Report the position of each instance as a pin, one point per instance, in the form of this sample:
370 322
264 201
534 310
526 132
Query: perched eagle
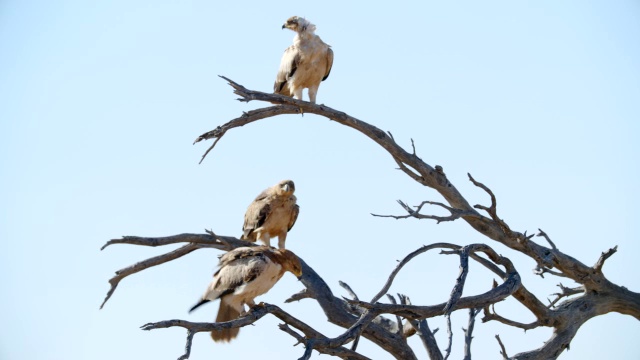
271 214
305 63
244 274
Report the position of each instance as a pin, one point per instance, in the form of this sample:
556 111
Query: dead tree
388 324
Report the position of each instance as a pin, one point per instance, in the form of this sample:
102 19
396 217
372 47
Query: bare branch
492 209
398 319
489 315
565 292
456 292
196 241
219 242
455 213
187 347
349 290
541 270
468 333
288 330
157 260
411 173
404 261
302 294
605 255
246 118
254 314
503 351
544 234
447 351
599 295
511 284
424 333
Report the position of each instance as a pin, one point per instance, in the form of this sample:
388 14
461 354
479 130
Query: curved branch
488 316
334 308
511 284
404 261
361 318
137 267
425 174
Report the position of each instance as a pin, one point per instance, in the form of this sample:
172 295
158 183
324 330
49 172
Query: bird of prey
305 63
245 273
271 214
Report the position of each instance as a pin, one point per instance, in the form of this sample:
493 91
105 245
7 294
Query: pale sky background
100 102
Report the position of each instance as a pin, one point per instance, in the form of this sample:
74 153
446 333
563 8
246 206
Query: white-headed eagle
245 273
273 213
304 64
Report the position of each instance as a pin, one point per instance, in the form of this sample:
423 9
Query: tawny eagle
272 213
245 273
304 64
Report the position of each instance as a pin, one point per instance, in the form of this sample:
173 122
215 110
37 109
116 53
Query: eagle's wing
329 59
294 216
288 67
256 215
242 266
239 253
236 268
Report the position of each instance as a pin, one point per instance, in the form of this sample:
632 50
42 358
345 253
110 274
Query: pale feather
273 213
304 64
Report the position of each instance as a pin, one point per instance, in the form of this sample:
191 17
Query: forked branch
597 294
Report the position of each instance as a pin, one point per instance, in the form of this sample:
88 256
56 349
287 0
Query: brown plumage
245 273
304 64
273 213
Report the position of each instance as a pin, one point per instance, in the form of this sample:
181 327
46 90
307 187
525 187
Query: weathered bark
595 296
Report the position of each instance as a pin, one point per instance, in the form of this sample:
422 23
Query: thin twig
349 290
503 351
455 213
302 294
492 315
398 318
404 261
544 234
447 351
142 265
565 292
468 333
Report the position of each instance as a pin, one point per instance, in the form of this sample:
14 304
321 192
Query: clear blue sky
100 102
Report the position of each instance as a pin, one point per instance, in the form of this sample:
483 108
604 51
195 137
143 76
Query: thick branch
256 313
334 308
600 296
425 174
426 335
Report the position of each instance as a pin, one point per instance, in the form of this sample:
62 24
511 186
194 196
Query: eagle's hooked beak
284 26
286 188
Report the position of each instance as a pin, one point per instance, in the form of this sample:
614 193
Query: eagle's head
290 262
286 187
299 24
